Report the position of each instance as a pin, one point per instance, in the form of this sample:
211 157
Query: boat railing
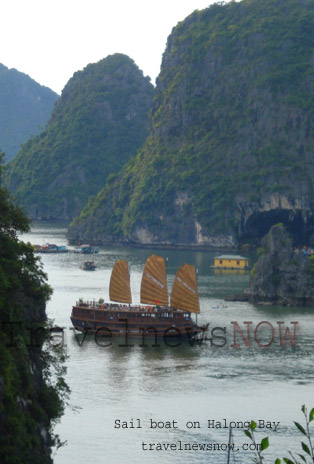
164 311
93 304
96 305
87 304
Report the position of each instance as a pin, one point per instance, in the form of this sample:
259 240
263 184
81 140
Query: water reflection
230 272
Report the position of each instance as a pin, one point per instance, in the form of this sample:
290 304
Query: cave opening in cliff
259 224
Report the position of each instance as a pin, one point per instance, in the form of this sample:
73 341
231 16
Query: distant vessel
86 250
88 266
154 320
50 248
220 306
89 250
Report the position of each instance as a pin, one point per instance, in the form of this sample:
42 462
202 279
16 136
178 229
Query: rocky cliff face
230 150
282 276
97 125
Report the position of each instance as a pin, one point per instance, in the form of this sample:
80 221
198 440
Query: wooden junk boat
154 317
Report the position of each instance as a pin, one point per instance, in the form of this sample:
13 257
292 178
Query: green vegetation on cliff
25 107
97 125
231 133
29 402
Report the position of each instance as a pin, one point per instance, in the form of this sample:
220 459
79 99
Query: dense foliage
99 122
25 107
231 127
29 401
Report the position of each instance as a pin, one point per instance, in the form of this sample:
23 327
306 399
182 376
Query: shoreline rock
237 297
281 276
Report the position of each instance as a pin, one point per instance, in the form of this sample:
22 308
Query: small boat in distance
88 266
86 250
50 248
220 306
154 317
89 250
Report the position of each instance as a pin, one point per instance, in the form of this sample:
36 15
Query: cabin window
238 263
220 262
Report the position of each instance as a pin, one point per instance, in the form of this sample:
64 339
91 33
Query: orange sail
119 288
154 282
184 293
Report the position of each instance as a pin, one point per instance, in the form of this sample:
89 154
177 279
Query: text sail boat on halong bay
154 318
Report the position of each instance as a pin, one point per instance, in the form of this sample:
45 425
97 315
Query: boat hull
134 322
88 266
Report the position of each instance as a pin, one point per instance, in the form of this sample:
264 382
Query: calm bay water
183 384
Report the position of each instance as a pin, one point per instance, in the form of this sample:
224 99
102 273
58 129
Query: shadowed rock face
282 276
296 214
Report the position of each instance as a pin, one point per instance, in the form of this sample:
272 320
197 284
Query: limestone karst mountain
230 148
97 125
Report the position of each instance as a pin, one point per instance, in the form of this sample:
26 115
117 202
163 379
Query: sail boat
154 317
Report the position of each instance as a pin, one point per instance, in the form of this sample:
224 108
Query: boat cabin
88 249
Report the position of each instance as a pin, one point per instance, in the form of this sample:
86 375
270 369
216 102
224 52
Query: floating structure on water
86 250
50 248
231 262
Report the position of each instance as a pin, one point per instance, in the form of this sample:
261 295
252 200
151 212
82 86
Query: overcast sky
51 39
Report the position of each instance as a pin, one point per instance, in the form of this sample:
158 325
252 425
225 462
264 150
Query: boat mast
129 270
196 270
166 262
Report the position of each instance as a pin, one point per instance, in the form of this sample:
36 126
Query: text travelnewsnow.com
211 446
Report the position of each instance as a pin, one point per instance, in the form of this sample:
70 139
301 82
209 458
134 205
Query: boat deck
134 320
